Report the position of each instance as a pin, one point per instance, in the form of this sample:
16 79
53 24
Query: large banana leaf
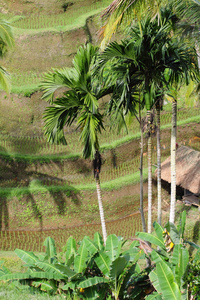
117 267
167 285
180 260
156 257
151 239
133 254
55 269
30 275
81 259
65 270
93 292
92 281
50 252
91 246
71 250
45 286
28 257
154 296
159 230
154 279
182 222
134 244
103 262
112 244
98 240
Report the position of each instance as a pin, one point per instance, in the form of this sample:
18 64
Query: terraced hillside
50 190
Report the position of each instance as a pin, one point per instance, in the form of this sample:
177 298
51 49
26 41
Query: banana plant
171 258
44 271
91 270
107 268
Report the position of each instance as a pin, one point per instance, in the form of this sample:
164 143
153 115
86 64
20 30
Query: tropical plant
90 271
171 258
152 58
6 42
120 13
79 105
193 276
189 20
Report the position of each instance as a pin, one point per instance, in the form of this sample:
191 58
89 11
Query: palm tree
189 21
122 13
121 10
156 59
6 42
79 105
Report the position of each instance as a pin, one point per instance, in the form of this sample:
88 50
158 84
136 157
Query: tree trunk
159 168
149 173
173 162
198 54
141 181
101 212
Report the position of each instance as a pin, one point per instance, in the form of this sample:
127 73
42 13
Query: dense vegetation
97 93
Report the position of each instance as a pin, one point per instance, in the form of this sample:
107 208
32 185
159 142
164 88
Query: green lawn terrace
55 192
63 165
58 26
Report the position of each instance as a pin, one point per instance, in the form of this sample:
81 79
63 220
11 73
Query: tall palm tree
156 59
79 105
127 11
6 42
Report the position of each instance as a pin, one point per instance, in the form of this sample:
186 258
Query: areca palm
6 42
121 12
155 59
78 104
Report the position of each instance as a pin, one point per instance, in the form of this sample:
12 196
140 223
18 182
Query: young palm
79 105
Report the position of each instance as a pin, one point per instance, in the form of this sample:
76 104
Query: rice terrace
90 111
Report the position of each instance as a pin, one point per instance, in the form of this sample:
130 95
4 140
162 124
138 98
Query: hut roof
187 169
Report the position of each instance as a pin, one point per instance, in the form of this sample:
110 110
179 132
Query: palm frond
54 80
4 80
120 11
90 125
6 36
64 112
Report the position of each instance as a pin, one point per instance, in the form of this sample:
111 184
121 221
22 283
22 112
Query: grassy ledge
36 187
104 147
77 23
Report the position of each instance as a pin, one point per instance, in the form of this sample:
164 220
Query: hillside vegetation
45 187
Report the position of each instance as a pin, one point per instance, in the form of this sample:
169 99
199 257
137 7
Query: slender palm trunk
159 168
141 180
101 212
198 54
173 162
149 173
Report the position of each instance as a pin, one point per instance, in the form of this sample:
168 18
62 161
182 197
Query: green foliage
91 270
79 104
171 258
193 276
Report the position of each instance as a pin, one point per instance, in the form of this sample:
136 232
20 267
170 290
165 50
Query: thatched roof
187 169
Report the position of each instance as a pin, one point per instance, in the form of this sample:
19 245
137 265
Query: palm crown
79 102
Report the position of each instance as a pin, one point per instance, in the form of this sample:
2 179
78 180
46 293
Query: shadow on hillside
14 174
